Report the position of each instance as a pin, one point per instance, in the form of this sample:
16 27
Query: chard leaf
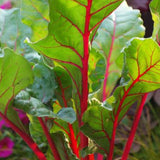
142 67
15 75
35 13
117 29
35 129
64 88
12 31
44 84
36 108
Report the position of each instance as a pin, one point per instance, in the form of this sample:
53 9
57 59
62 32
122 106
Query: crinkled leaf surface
122 25
12 31
36 108
141 74
35 13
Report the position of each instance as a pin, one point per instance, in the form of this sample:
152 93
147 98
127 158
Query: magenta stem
134 128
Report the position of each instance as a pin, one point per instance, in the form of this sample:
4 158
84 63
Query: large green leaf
15 75
12 31
141 74
67 43
117 29
35 13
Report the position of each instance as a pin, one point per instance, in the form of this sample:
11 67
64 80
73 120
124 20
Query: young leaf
15 75
36 108
142 67
44 84
12 31
123 24
35 14
64 88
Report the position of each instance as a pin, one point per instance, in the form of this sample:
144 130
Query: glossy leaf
140 75
35 13
36 108
12 31
117 29
44 84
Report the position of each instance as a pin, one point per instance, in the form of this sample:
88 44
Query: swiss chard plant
76 67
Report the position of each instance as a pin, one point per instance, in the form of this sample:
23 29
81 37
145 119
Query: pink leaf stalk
134 128
50 141
25 137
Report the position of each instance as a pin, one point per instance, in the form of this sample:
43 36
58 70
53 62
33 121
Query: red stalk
91 157
73 140
26 138
105 94
50 141
99 157
84 98
134 128
111 150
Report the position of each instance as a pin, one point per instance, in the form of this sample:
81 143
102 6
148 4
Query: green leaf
142 66
62 146
64 88
44 84
155 8
35 13
15 75
12 31
117 29
96 125
36 108
35 129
